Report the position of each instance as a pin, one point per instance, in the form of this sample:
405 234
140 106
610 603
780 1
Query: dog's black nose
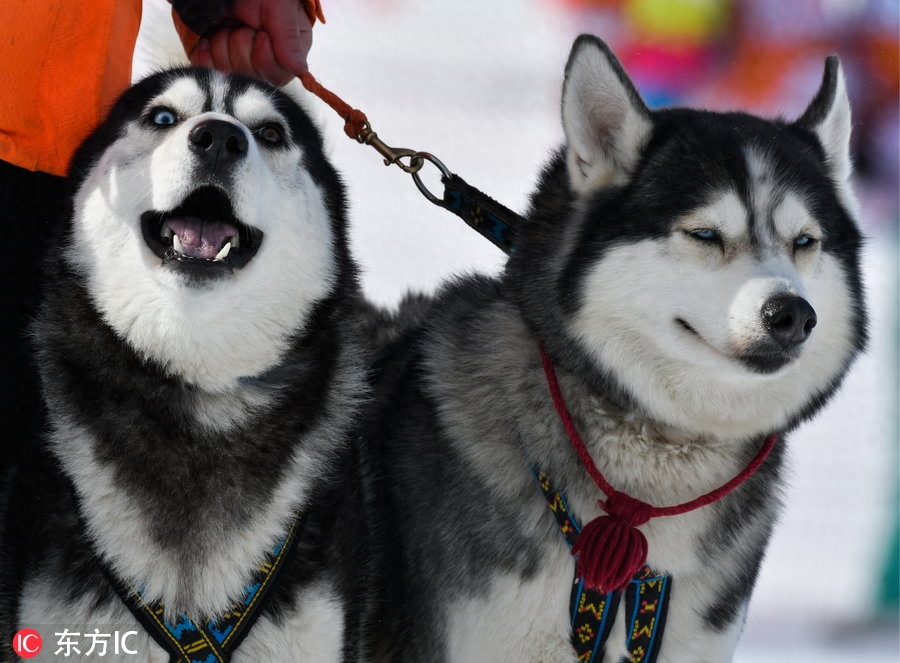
789 319
220 143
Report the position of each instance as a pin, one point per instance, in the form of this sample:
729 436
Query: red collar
610 549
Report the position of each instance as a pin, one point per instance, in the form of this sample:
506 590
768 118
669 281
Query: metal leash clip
392 155
494 221
445 175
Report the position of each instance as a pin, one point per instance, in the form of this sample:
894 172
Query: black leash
494 221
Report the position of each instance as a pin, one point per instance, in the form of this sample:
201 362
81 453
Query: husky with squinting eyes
684 291
201 371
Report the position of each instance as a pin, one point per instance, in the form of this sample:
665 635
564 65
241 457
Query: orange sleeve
64 63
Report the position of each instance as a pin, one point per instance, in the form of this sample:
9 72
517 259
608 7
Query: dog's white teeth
235 242
176 244
167 232
221 255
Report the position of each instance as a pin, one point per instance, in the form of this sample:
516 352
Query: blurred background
478 85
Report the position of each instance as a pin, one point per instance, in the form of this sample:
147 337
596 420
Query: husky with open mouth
202 374
684 291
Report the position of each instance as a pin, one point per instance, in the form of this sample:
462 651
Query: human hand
269 39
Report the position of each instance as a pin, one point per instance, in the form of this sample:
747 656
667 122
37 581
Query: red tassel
610 549
610 552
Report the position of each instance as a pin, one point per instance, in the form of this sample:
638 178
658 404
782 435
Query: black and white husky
694 279
201 374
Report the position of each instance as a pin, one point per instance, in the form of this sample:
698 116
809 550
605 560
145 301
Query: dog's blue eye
164 117
804 242
705 235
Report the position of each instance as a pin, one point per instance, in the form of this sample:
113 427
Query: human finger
219 52
240 47
200 56
291 40
287 24
265 63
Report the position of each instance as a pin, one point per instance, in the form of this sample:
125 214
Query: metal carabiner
445 174
392 155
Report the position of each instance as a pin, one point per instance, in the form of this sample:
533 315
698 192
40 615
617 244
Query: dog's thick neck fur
210 480
634 452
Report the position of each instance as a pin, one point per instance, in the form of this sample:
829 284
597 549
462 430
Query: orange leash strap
355 123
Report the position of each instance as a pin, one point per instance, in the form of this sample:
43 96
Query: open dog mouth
760 358
202 234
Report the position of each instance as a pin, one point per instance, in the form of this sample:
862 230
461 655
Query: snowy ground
480 89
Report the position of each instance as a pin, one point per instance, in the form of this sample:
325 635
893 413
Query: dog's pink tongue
199 238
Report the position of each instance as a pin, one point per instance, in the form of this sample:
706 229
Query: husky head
207 224
700 267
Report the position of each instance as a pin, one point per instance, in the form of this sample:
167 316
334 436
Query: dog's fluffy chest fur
191 508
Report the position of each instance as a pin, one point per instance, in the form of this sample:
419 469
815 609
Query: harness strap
593 615
593 612
215 640
646 604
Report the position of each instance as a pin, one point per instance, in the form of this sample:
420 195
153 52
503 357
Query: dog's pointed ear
828 117
605 121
